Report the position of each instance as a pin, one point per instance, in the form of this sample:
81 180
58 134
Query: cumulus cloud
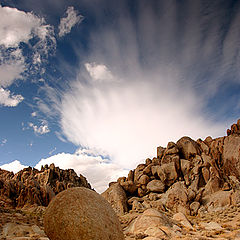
17 26
42 129
66 23
97 169
14 166
16 29
8 99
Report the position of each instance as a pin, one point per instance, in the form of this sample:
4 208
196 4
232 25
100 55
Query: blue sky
98 85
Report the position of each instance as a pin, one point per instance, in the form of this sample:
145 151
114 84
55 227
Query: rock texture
33 187
188 179
81 214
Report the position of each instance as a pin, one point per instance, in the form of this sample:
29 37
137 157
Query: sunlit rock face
33 187
81 214
184 176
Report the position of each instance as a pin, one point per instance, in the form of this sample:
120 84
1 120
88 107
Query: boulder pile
191 177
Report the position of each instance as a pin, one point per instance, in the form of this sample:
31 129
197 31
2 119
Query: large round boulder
81 214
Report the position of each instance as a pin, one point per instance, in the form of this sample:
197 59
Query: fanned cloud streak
166 65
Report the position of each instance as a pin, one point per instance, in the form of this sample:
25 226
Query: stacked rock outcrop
188 176
31 186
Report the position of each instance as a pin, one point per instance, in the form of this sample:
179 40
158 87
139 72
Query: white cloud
10 72
52 151
14 166
69 21
3 142
11 66
163 75
99 72
18 27
98 171
60 136
34 114
8 99
129 119
42 129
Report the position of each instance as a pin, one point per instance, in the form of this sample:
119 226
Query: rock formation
81 214
190 190
189 178
31 186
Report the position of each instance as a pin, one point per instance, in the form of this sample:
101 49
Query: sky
98 85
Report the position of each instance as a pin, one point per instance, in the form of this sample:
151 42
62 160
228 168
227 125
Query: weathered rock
176 198
160 152
121 180
31 186
185 169
150 219
204 147
208 140
148 161
139 172
142 191
144 179
211 226
117 198
80 213
235 129
194 206
206 174
217 200
171 149
216 151
129 186
168 173
231 156
130 176
156 186
180 217
188 148
22 231
148 170
213 185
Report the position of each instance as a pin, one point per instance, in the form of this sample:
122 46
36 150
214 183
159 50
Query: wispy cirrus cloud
68 22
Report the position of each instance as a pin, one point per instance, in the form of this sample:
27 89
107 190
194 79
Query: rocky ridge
25 195
173 195
31 186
